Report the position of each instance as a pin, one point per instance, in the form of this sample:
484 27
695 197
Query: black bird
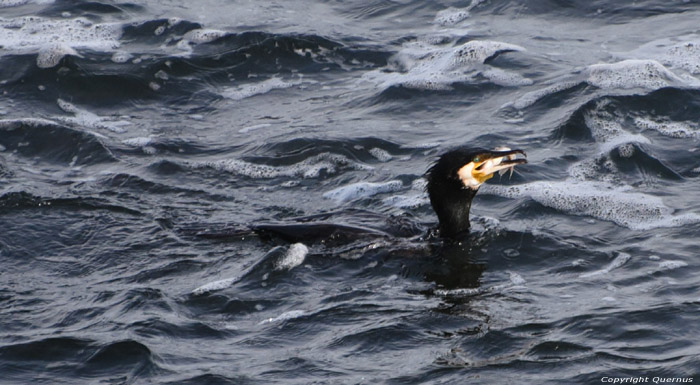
452 184
455 178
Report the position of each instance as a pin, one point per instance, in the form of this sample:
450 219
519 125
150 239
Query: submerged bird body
453 182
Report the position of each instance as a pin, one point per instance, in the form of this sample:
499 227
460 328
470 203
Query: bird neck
452 207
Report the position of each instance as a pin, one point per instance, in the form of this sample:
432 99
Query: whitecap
53 39
381 154
85 118
201 36
425 66
294 257
604 201
138 141
633 73
672 265
362 190
49 56
407 201
259 88
516 279
533 97
284 317
668 128
309 168
214 286
451 16
254 127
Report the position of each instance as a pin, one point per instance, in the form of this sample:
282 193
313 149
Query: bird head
457 175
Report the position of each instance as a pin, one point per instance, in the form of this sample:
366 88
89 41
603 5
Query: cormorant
452 183
455 178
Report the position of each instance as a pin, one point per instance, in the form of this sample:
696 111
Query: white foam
506 78
138 141
516 279
52 39
608 132
254 127
309 168
626 74
263 87
604 201
672 265
451 16
407 201
284 316
681 52
362 190
121 57
49 56
425 66
620 260
380 154
684 55
200 36
214 286
669 128
532 97
413 200
648 74
88 119
294 257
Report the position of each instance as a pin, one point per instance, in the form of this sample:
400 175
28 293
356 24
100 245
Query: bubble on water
626 150
362 190
121 57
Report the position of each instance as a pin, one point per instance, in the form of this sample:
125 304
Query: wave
170 59
52 142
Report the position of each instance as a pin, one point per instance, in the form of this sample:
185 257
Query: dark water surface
128 130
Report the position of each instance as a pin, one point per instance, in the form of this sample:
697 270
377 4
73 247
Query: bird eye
476 159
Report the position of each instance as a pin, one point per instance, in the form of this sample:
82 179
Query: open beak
499 160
